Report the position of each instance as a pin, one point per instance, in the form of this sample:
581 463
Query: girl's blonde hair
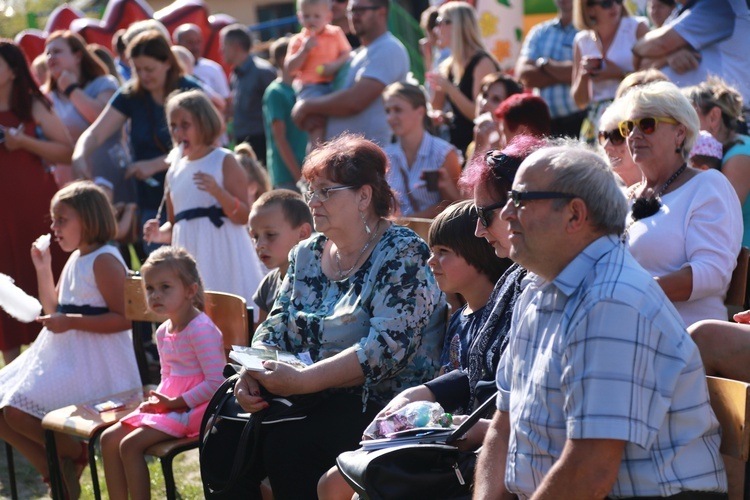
179 261
247 158
465 39
205 115
98 223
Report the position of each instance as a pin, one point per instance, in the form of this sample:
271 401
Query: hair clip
502 165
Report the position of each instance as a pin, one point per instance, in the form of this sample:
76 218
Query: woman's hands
13 137
281 379
440 83
601 68
247 392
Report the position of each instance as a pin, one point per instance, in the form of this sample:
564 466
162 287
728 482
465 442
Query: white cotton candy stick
16 302
42 243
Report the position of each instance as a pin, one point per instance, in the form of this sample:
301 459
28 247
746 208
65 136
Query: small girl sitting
85 350
207 204
192 359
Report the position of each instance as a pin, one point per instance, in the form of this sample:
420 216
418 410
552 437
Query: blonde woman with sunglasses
685 225
613 142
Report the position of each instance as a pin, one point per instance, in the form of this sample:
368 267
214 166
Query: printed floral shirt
391 310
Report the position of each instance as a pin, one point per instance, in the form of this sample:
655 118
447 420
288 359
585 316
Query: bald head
190 36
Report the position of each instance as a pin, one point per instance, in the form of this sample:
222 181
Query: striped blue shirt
554 41
601 353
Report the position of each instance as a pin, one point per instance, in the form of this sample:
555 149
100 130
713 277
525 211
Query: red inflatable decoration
121 14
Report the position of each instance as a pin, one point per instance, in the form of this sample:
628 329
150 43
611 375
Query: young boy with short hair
315 54
279 220
285 142
467 265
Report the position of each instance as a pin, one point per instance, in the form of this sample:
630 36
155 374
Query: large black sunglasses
484 214
520 196
614 136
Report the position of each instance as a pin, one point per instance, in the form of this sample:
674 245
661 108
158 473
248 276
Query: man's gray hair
578 170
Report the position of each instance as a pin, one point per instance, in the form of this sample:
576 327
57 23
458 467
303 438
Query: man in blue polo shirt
546 64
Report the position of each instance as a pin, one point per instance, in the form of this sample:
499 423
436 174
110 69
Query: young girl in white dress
85 349
191 352
207 203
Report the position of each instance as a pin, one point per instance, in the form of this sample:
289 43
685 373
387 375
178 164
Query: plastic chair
230 314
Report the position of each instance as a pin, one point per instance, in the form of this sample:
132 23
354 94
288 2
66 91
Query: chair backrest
418 225
730 400
737 291
229 312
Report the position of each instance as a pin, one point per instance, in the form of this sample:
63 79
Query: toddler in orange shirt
314 56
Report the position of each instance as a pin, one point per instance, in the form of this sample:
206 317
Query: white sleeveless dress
60 369
225 255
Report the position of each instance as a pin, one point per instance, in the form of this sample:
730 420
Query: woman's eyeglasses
484 214
613 136
324 193
604 4
647 125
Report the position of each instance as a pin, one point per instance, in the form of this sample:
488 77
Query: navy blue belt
214 214
85 310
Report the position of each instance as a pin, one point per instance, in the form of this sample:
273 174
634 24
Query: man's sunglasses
613 136
604 4
517 197
647 125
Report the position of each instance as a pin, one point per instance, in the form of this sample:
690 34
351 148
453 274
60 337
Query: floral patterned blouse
391 310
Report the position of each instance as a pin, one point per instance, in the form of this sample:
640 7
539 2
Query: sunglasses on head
613 136
604 4
646 125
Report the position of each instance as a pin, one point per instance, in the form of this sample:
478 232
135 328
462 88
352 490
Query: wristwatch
542 62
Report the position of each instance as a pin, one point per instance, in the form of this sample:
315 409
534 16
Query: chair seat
84 421
172 447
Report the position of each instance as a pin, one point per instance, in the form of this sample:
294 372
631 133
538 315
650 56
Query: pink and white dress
192 362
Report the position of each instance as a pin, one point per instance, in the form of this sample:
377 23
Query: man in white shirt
206 71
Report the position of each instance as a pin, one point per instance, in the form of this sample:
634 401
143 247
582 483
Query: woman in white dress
207 205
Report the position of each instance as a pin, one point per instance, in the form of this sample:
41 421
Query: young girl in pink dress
192 359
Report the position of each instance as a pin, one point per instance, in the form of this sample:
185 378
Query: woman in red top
30 134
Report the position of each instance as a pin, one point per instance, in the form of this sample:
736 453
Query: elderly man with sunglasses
601 391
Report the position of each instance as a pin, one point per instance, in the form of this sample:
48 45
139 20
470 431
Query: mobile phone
109 405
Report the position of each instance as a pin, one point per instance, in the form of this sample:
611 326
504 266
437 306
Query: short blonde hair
206 116
664 99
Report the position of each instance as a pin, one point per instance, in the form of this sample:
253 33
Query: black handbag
412 471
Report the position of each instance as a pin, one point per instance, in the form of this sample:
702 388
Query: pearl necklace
345 273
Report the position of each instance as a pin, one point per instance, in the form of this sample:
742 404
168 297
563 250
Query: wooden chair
418 225
730 400
230 314
737 293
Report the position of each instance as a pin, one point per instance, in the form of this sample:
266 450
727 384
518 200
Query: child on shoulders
279 220
316 54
